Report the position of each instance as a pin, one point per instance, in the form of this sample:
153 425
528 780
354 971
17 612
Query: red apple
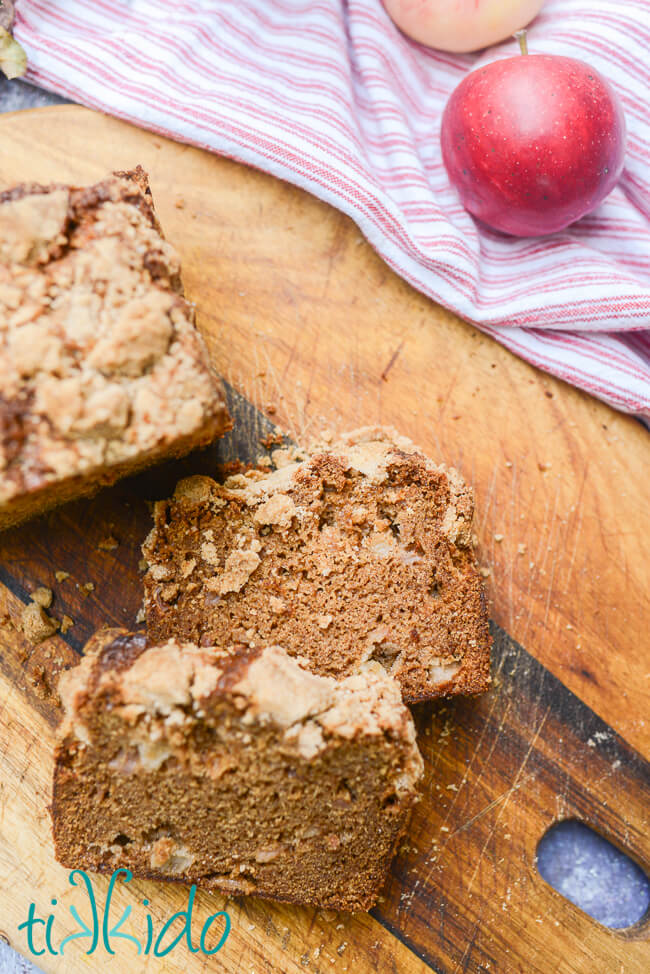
533 142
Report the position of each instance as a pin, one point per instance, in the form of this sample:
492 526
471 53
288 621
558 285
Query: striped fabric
329 95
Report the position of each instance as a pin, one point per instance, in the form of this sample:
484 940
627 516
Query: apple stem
523 42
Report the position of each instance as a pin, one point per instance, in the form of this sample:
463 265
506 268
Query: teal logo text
101 930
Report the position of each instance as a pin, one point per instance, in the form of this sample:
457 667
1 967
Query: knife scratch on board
392 360
515 786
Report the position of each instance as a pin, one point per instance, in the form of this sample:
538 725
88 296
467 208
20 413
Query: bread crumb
37 625
498 538
87 588
61 576
272 439
108 544
485 572
66 623
521 549
324 622
43 597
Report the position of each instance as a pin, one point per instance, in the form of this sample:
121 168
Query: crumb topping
100 361
168 682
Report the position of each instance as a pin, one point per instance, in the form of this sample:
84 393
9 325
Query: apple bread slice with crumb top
235 770
356 553
102 370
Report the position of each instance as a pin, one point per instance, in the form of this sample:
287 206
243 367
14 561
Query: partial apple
461 25
534 142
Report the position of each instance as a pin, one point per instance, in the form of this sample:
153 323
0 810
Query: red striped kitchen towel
329 95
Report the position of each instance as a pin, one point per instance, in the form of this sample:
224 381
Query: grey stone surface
13 963
18 94
595 875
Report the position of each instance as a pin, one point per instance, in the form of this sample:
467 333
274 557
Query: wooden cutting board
311 330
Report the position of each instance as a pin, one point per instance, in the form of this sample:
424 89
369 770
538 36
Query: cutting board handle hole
595 875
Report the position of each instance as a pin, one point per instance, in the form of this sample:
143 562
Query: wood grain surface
309 326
